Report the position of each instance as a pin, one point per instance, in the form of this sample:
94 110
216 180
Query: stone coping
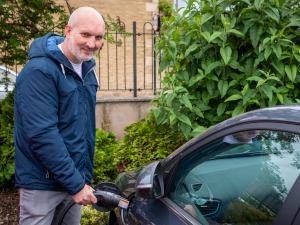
146 98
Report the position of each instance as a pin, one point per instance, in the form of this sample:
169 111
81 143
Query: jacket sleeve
38 105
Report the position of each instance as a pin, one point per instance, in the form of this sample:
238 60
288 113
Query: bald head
84 13
84 35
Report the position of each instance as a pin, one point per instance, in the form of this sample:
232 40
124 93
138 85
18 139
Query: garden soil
9 208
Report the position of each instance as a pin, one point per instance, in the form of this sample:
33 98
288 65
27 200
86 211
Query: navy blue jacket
54 129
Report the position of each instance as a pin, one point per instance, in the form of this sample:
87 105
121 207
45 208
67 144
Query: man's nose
91 43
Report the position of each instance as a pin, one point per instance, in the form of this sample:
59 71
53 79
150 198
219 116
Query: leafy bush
105 148
90 216
166 8
7 149
226 58
145 141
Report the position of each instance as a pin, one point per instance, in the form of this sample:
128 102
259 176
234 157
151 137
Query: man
54 130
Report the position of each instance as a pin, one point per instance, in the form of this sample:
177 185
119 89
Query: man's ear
68 30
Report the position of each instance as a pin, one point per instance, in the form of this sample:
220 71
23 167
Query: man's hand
85 196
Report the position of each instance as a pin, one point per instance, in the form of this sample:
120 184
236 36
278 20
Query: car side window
243 178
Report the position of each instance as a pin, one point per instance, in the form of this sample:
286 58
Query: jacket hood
46 46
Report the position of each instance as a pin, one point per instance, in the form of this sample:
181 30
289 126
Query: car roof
10 71
287 113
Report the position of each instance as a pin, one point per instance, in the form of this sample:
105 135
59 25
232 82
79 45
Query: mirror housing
150 184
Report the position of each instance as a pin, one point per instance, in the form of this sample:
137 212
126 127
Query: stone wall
113 114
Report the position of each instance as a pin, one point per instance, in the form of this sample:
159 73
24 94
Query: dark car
244 170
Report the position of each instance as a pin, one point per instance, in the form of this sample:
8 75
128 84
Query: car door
247 174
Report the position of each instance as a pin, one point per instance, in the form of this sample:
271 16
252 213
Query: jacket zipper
82 79
47 174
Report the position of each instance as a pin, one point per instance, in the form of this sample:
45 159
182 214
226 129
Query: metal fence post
134 60
154 81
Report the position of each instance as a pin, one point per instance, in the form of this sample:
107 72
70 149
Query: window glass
243 178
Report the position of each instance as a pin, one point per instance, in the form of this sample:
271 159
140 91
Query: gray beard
77 54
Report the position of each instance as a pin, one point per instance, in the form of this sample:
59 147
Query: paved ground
9 208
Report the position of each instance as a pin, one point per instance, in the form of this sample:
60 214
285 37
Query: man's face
85 39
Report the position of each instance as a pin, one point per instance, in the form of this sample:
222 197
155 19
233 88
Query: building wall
113 114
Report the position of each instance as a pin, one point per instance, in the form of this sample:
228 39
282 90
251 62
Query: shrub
166 8
7 149
90 216
226 58
145 141
105 148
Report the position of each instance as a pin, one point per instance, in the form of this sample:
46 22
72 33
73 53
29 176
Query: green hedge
7 149
225 58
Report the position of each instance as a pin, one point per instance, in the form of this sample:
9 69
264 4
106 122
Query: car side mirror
150 184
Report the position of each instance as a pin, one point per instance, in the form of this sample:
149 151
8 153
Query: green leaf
205 18
267 52
186 129
185 119
290 85
214 36
279 67
212 66
258 4
163 65
268 91
198 130
210 86
282 89
232 83
160 118
271 14
221 108
277 49
198 112
170 97
192 48
235 32
206 35
247 1
256 78
238 110
226 54
206 97
279 96
249 67
180 89
233 98
255 32
275 78
297 57
259 59
185 75
185 100
156 113
291 71
249 94
172 118
273 102
266 40
223 87
203 107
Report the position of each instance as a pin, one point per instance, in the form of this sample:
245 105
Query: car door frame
286 215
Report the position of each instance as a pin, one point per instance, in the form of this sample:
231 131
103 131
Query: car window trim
253 125
187 218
